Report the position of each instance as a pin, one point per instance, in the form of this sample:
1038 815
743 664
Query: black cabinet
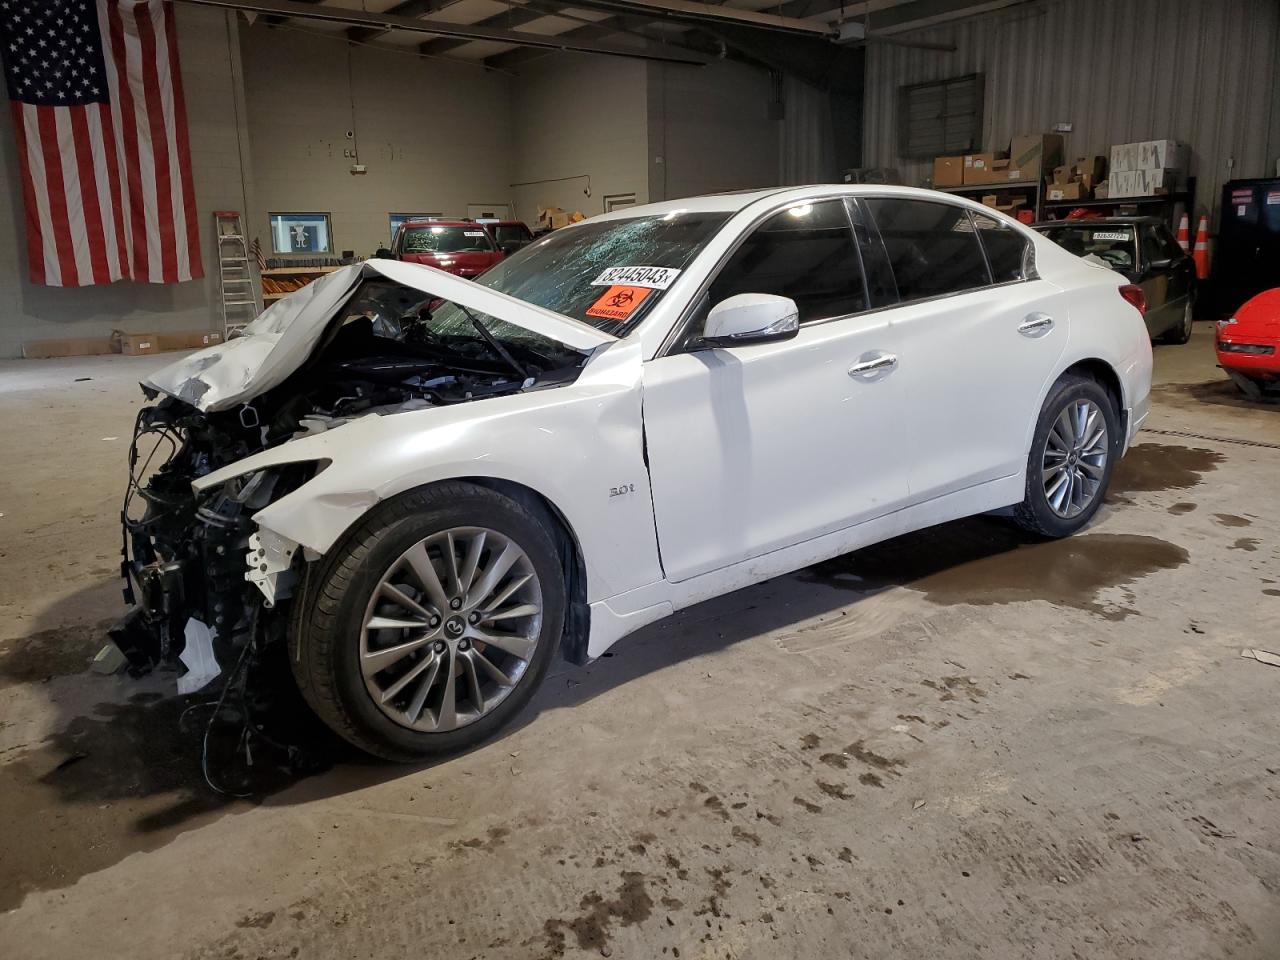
1247 259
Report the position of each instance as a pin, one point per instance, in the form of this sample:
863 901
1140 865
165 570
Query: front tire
431 624
1073 453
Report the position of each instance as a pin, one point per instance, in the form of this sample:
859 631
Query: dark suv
1145 251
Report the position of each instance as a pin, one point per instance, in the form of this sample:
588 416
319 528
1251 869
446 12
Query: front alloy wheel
431 623
451 628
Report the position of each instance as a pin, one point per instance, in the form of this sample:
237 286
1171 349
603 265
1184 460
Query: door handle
870 365
1036 325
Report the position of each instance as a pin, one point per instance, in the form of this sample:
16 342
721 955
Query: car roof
441 222
1088 221
738 200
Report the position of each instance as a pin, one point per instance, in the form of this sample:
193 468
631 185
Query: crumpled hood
284 336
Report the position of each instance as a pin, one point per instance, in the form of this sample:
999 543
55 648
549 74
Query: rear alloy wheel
431 624
1182 332
1071 459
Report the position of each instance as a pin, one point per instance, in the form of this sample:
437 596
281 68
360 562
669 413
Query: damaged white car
425 488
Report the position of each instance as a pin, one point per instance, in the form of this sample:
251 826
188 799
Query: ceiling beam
693 11
670 53
511 59
406 8
510 18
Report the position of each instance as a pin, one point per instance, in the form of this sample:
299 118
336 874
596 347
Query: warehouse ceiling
515 32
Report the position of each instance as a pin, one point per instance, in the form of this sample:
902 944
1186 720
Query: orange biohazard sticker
618 303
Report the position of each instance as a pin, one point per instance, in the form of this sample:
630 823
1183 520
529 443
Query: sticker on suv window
655 278
1111 235
473 233
618 302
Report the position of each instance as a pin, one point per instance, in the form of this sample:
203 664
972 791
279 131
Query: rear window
441 239
1009 253
932 247
513 233
1114 243
606 273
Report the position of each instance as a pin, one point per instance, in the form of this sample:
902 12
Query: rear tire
1073 453
1182 332
406 653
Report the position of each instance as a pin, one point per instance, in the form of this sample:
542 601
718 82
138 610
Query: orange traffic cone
1184 235
1201 255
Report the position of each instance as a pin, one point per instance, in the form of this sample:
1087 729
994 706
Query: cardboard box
948 171
977 166
1143 183
189 340
70 347
1093 169
1075 190
138 344
998 171
1035 154
1102 191
1149 155
1062 174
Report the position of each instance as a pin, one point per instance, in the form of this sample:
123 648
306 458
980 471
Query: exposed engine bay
389 349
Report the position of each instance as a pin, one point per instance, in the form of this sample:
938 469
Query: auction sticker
1110 235
655 278
618 302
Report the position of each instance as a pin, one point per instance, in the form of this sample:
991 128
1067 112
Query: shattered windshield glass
438 239
607 273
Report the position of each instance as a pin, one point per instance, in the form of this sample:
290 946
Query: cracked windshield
608 274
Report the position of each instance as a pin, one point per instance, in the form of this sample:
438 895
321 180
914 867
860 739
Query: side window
806 253
1008 251
1150 245
881 288
932 247
1168 243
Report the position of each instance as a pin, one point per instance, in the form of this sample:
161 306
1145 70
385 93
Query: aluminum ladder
237 287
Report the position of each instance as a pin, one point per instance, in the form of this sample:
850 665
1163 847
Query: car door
758 447
977 337
1163 308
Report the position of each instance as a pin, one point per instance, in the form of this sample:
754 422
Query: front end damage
212 590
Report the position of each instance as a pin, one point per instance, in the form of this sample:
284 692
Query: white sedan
424 488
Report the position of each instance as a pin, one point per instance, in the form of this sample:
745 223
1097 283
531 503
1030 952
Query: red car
462 247
510 235
1249 344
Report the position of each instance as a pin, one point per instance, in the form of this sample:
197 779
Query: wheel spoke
1066 429
451 563
400 598
488 667
1053 471
422 567
394 623
409 676
498 568
470 562
1057 494
473 683
514 584
520 610
414 710
447 718
1094 470
511 643
375 661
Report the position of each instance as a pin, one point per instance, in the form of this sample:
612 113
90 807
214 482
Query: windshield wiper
498 347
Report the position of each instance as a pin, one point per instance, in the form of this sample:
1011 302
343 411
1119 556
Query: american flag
101 126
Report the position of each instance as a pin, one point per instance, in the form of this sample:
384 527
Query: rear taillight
1134 296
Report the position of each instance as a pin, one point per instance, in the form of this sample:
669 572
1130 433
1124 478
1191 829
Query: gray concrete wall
709 129
32 312
434 136
578 114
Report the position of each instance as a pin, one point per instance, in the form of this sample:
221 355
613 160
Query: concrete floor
957 744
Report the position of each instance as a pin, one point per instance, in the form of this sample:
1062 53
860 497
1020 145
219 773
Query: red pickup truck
462 247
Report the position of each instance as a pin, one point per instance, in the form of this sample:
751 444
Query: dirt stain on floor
1249 544
1150 467
1231 520
1178 509
591 928
985 561
58 652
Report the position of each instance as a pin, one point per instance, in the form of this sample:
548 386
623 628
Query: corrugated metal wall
1203 72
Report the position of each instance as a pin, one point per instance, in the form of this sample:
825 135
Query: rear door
977 337
1164 309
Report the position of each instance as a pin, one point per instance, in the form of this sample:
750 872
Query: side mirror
1162 264
751 318
510 247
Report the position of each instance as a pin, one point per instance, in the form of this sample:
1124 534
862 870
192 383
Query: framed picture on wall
301 233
